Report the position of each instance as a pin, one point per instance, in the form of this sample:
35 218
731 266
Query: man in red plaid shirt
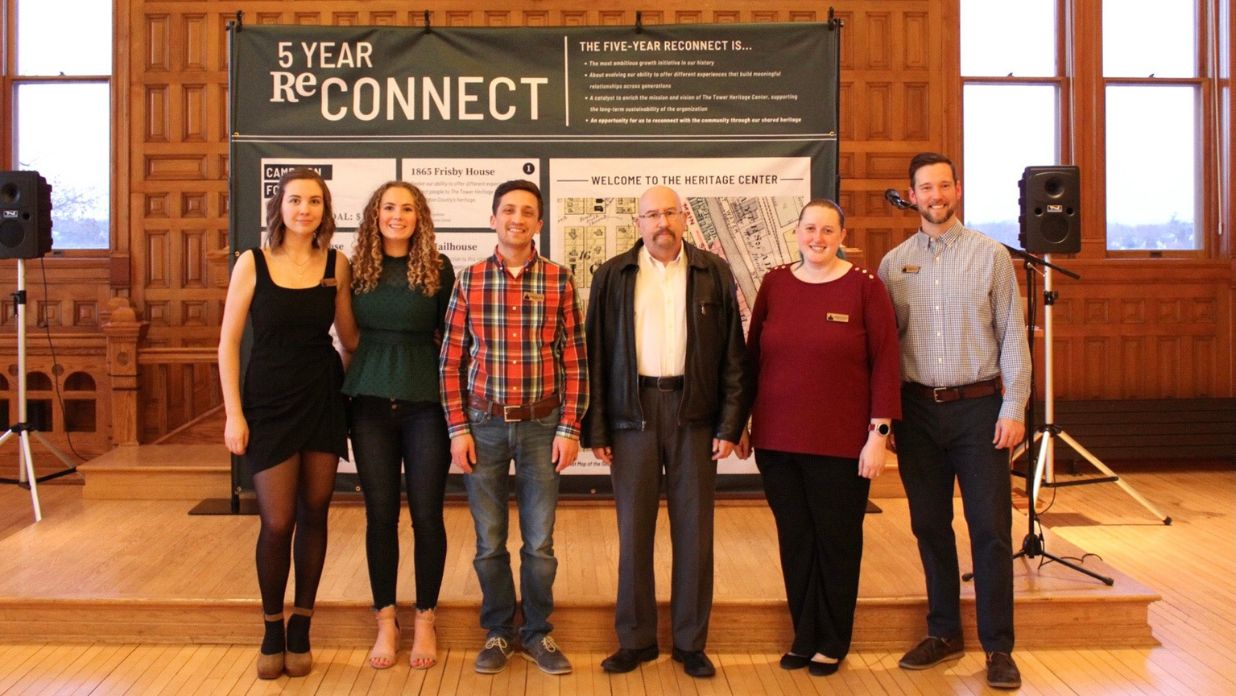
515 385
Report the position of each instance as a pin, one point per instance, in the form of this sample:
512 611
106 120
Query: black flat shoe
792 661
823 669
627 659
694 662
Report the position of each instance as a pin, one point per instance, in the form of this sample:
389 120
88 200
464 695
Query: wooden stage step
130 571
159 472
199 471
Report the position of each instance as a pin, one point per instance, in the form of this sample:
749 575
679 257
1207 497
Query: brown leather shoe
1002 672
931 651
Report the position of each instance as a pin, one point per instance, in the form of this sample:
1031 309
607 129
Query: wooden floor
146 559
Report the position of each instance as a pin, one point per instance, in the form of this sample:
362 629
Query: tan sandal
382 656
424 640
298 664
270 666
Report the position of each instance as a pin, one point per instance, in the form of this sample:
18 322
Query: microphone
894 199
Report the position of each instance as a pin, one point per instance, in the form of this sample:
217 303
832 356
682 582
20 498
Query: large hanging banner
740 119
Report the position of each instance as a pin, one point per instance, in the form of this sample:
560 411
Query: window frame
11 80
1202 145
1082 136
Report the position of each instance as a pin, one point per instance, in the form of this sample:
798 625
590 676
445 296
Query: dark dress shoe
823 669
792 661
627 659
931 651
694 662
1002 672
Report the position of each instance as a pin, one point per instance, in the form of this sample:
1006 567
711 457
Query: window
58 91
1152 94
1011 95
1025 63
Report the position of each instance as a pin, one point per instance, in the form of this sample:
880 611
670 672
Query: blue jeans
530 444
388 433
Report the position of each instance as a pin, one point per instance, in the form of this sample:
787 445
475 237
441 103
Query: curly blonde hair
424 264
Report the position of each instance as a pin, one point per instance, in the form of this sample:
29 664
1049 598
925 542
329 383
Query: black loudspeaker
1050 210
25 215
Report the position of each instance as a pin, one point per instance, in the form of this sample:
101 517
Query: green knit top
398 355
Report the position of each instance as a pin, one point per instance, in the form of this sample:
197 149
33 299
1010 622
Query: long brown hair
275 227
424 264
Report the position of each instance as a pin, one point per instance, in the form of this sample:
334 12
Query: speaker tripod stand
1044 470
22 428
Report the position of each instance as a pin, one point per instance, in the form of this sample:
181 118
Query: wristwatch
883 429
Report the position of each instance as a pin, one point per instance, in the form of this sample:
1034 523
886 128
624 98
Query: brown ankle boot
298 664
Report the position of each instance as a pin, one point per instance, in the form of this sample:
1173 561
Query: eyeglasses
654 215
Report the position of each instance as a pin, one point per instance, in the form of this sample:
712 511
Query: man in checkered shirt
965 366
515 386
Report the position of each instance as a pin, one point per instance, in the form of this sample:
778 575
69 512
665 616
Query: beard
937 216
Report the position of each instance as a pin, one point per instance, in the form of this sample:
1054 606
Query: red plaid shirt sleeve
574 363
453 358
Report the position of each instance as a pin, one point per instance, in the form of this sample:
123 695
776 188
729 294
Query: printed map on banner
593 215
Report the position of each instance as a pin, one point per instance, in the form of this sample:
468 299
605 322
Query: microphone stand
1033 544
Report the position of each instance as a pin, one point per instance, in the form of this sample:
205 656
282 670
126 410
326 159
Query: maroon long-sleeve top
827 362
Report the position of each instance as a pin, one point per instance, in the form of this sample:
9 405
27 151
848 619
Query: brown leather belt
514 414
943 395
661 383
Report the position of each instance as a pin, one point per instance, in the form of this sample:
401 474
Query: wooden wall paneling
1086 99
157 35
539 18
195 41
900 95
158 113
876 123
65 348
889 86
612 18
193 120
1152 330
877 36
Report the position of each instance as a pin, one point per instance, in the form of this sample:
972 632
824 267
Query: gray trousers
682 457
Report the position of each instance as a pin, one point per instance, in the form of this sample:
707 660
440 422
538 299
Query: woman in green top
400 287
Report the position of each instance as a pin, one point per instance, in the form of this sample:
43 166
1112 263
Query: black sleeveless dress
292 399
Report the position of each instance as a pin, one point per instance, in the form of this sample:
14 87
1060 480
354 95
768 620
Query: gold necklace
301 267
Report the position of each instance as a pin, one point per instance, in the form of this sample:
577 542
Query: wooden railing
155 390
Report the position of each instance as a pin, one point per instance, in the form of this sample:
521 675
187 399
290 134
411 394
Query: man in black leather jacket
670 394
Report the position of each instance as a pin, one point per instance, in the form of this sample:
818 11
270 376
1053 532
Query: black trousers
680 456
938 444
819 504
388 434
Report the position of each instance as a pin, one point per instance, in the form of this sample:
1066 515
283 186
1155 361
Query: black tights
293 498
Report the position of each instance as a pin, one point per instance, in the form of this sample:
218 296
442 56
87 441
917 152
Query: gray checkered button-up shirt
959 314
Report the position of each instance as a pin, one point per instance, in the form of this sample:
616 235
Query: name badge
842 318
909 268
329 282
534 297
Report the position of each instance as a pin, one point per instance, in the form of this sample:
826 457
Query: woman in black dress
289 423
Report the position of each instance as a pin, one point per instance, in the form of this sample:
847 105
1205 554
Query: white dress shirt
661 315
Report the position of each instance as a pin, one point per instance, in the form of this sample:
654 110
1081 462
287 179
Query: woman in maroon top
823 340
